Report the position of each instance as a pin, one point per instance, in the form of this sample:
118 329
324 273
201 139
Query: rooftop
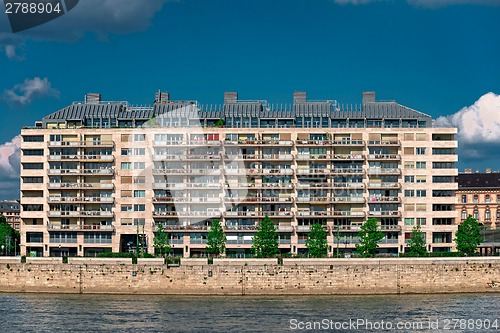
94 112
478 180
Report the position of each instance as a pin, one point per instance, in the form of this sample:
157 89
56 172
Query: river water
141 313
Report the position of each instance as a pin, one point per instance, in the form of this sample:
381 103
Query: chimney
488 170
162 97
93 98
468 170
230 97
368 97
299 97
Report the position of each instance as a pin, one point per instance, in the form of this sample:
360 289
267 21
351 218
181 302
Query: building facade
102 176
478 196
11 210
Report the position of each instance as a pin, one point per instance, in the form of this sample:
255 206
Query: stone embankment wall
252 276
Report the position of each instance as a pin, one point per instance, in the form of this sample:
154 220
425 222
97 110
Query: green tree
416 243
216 239
369 237
316 241
161 242
265 241
468 236
220 123
8 236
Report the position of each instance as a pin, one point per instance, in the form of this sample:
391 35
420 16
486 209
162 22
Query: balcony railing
355 157
81 171
348 143
384 199
314 157
349 199
384 143
240 228
348 213
80 227
281 157
384 185
384 171
80 199
347 171
239 241
81 144
387 213
313 171
349 185
103 158
288 172
384 157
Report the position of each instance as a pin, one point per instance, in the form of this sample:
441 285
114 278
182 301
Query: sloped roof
478 180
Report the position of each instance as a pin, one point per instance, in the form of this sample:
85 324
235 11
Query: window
139 208
443 165
421 137
421 165
487 214
126 152
125 137
476 198
139 194
421 193
420 151
409 179
410 207
421 207
421 179
32 180
442 179
409 221
139 221
443 151
487 198
33 152
63 237
409 137
126 166
475 214
34 237
139 137
126 194
32 166
464 198
140 151
409 165
139 165
442 193
139 180
126 208
409 151
421 221
33 138
126 180
409 193
464 214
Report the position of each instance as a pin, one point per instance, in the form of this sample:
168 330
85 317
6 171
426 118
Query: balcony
198 241
282 172
239 241
384 157
79 186
169 143
284 241
313 171
349 185
177 227
390 228
349 171
79 227
164 214
348 143
200 157
271 142
199 214
391 143
307 213
242 157
383 171
384 200
240 228
97 144
384 185
170 171
80 199
279 157
303 228
81 171
63 213
347 213
83 158
349 199
170 186
344 157
390 213
214 172
314 185
96 213
314 199
203 143
284 228
313 142
314 157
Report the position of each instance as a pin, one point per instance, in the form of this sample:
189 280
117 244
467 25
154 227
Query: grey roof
121 111
9 206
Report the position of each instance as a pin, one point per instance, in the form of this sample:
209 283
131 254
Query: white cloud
12 45
10 157
23 93
478 131
478 123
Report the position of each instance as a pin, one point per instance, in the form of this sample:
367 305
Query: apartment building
11 210
102 176
478 196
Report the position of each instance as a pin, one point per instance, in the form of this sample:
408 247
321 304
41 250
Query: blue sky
434 56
